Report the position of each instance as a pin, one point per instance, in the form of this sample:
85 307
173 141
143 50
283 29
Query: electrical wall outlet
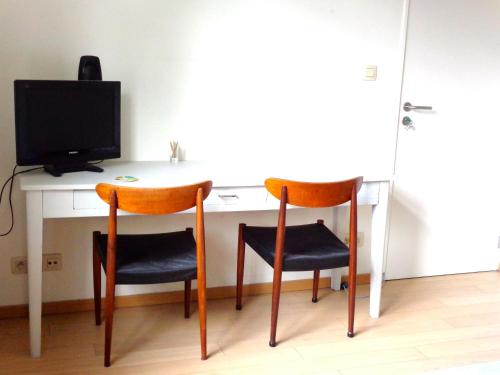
19 265
52 262
361 239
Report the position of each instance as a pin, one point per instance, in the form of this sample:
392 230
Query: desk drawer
220 199
84 203
223 197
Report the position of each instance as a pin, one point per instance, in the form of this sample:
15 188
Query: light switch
370 73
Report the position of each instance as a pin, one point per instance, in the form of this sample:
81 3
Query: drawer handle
224 196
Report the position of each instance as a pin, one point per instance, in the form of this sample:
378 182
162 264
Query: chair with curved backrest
150 258
310 247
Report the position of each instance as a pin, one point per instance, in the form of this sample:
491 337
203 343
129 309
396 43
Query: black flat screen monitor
65 124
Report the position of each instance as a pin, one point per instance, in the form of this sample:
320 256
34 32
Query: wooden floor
427 324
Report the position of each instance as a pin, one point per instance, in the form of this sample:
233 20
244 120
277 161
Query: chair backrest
314 194
154 201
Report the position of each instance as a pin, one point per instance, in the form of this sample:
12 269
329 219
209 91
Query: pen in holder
174 146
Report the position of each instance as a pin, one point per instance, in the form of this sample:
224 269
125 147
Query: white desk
72 195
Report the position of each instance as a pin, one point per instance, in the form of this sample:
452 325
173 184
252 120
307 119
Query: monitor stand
58 170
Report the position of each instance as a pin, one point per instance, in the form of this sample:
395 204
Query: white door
445 207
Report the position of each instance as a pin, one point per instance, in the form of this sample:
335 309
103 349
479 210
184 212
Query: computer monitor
65 124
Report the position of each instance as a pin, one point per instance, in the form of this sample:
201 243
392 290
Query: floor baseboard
361 279
60 307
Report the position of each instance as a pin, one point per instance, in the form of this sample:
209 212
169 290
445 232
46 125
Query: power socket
19 265
51 262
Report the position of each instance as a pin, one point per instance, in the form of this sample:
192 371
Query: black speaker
89 69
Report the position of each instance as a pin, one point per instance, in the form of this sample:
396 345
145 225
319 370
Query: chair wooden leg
201 273
315 286
240 266
187 298
202 309
278 264
97 279
275 305
110 307
352 299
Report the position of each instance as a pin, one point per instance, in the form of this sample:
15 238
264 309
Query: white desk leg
379 225
336 278
336 272
34 235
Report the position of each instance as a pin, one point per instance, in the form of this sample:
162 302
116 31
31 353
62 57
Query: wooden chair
310 247
150 258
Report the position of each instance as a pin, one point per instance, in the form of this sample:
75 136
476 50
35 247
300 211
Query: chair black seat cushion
152 258
307 247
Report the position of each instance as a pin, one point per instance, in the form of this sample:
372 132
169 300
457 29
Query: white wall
227 78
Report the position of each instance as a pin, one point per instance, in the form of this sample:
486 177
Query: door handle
408 107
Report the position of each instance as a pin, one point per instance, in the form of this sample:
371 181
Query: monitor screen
64 122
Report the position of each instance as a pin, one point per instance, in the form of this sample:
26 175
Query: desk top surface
161 173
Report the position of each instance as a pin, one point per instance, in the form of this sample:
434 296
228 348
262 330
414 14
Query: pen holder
174 147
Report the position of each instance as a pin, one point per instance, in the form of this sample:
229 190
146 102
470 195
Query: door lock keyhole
408 123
